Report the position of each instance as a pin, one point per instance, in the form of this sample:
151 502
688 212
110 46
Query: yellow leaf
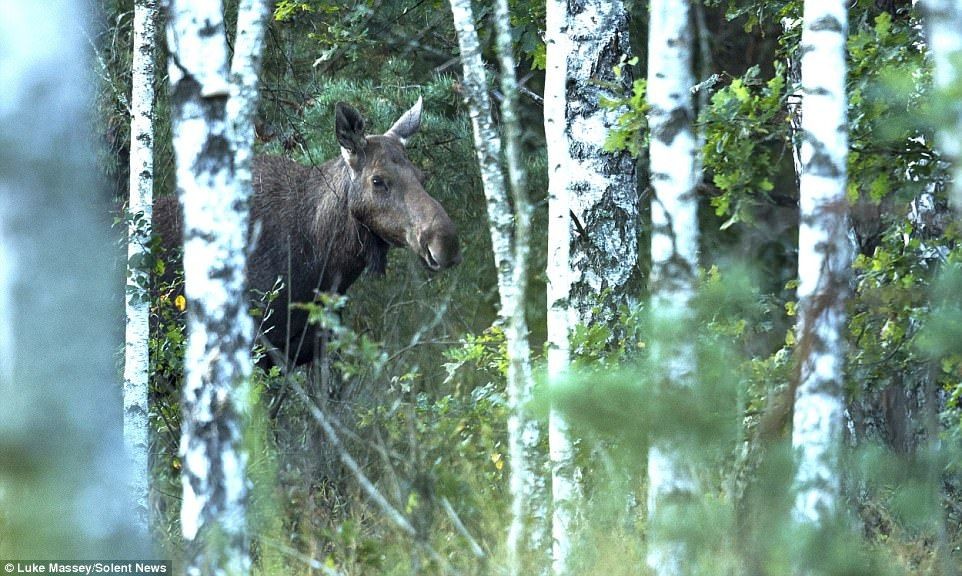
180 302
790 338
498 460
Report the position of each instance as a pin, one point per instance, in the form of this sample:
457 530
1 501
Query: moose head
386 192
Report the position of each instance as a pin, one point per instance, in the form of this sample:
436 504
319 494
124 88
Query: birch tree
138 237
824 262
215 203
510 242
589 46
943 24
63 471
592 210
245 67
565 490
674 255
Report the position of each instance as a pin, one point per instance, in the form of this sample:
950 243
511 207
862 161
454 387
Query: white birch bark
602 186
592 209
509 240
138 237
217 362
66 494
824 262
943 26
245 68
674 254
561 314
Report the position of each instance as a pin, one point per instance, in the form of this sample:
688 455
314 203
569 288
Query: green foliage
941 339
287 9
527 26
485 355
630 131
353 352
415 371
886 78
744 128
741 522
759 14
141 266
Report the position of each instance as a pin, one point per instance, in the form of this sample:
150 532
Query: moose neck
342 247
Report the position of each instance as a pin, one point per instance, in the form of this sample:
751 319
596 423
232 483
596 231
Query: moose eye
378 182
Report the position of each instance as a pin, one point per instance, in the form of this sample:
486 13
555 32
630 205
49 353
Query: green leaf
883 26
880 187
740 91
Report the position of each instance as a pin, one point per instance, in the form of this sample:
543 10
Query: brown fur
318 229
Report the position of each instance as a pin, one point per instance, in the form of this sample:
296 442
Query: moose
317 228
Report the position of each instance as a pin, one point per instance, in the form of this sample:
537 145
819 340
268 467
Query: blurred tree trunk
824 262
510 230
63 469
674 256
592 207
252 22
136 363
943 25
215 197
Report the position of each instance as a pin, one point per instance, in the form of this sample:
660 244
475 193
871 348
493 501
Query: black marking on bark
679 120
676 273
185 90
822 164
582 233
205 235
208 29
222 273
575 8
826 23
215 156
242 205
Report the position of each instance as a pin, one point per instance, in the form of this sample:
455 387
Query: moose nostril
431 261
439 250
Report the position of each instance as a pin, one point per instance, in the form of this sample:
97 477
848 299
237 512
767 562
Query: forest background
417 361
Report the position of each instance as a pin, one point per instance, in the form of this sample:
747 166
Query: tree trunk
215 204
602 186
824 263
509 240
64 474
245 67
565 488
943 25
674 254
592 209
138 237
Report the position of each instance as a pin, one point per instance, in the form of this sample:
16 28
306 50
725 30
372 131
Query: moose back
317 228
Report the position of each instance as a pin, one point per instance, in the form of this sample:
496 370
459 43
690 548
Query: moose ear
349 127
407 125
